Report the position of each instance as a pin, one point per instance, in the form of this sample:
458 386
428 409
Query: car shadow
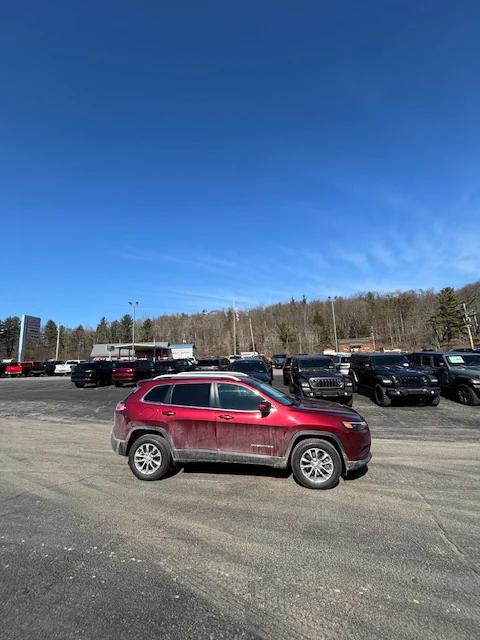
356 474
233 469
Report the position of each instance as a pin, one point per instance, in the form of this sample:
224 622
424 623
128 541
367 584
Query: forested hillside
410 319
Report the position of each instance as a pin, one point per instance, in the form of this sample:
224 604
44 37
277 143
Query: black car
38 368
316 377
253 367
458 373
165 367
98 373
50 366
3 366
213 364
389 376
278 360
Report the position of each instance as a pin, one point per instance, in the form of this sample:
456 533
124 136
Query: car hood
467 371
318 373
259 375
398 371
323 406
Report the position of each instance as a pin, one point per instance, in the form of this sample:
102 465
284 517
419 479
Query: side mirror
265 407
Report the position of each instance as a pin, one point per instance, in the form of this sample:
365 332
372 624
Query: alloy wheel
147 458
316 465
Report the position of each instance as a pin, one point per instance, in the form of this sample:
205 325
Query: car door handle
168 413
226 417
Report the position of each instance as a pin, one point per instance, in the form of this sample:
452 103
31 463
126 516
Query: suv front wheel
149 457
381 397
316 464
466 395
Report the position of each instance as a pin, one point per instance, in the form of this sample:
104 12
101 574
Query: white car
65 368
342 363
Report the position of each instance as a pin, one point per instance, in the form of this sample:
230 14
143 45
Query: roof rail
237 375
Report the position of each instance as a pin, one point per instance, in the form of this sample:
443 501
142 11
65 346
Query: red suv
128 372
216 417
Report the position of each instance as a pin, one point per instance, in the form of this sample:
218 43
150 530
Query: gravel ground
221 551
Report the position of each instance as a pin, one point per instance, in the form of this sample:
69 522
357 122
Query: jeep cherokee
227 417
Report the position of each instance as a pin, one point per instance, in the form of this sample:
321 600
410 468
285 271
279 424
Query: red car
18 369
220 417
128 372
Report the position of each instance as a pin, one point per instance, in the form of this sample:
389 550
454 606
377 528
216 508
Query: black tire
381 397
155 446
291 389
80 385
99 382
466 395
434 402
354 384
285 381
333 466
118 384
348 403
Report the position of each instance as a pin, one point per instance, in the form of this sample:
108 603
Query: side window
191 395
237 398
157 394
426 361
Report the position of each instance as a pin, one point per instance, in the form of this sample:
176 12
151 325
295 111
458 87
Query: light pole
134 305
332 300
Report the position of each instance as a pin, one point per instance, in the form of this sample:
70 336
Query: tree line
404 320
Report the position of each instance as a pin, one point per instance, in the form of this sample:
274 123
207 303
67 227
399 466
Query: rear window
126 364
82 366
208 362
191 395
157 394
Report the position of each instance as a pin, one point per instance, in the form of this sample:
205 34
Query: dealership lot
245 551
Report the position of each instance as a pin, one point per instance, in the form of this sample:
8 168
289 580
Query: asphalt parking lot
214 551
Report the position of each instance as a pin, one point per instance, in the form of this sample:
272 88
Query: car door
241 427
191 419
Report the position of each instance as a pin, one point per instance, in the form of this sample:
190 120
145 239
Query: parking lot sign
29 330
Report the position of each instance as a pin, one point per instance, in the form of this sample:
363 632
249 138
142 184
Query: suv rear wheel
316 464
381 397
149 457
466 395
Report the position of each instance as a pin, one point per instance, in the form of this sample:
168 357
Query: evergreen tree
285 334
49 339
115 332
448 321
102 331
9 335
146 331
126 323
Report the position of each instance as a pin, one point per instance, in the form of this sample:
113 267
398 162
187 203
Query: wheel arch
319 435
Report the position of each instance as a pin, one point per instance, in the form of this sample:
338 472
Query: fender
300 435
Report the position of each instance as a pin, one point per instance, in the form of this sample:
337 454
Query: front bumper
352 465
327 394
407 392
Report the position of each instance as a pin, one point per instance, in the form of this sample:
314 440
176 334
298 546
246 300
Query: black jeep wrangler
458 373
388 376
316 377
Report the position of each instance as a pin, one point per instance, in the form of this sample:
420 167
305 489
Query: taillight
121 406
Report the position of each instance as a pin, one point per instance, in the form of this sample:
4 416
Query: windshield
208 362
316 363
464 360
275 394
120 365
86 365
391 361
249 365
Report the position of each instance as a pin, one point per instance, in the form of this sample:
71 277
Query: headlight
356 426
348 383
387 381
425 380
305 385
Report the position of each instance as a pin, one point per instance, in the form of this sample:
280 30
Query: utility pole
134 305
251 333
468 322
234 329
58 342
332 300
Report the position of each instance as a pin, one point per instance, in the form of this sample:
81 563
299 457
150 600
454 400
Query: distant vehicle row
37 368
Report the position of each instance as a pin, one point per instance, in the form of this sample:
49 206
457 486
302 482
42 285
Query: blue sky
184 154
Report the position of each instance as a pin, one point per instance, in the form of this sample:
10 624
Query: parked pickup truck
65 368
17 369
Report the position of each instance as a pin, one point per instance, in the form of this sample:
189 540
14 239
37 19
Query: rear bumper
119 446
352 465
